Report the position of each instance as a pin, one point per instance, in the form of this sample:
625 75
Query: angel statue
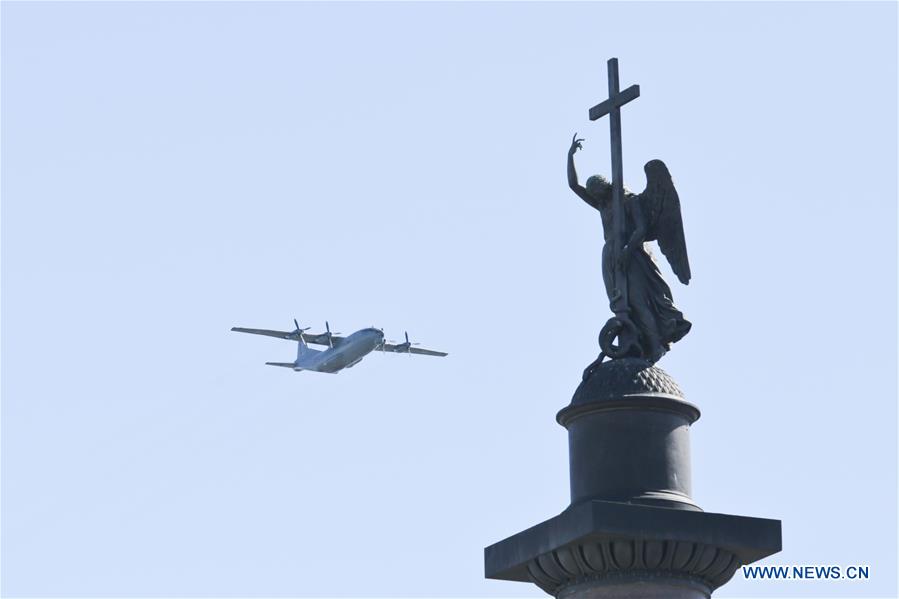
646 322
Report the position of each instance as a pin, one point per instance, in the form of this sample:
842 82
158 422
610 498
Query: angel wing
660 205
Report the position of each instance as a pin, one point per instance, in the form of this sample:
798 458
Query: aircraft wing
322 339
414 350
427 352
278 334
316 338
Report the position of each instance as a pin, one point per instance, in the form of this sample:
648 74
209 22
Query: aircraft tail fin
303 350
282 364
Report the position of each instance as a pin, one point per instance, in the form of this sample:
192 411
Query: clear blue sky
171 170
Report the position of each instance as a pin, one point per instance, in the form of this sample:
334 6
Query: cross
612 107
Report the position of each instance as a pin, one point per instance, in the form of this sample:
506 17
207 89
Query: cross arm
616 101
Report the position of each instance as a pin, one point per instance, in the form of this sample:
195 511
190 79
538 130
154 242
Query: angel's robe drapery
649 299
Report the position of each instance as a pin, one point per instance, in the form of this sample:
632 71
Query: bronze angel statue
646 322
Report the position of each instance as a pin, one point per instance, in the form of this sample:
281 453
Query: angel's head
597 185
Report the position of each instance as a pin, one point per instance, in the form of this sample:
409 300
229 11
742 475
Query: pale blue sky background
171 170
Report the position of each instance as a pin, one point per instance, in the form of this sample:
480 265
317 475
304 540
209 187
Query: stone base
609 549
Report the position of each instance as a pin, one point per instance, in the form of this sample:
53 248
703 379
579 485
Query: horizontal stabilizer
282 364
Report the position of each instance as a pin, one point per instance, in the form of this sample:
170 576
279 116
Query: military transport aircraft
342 352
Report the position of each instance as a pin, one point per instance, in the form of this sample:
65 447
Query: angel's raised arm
572 174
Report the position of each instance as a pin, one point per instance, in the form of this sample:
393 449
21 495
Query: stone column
632 529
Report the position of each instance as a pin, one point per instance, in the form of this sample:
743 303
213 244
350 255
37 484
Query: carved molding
627 558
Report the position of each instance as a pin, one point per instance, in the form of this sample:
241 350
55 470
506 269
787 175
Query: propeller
298 332
405 347
328 334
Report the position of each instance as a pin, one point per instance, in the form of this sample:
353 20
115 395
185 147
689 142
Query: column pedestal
632 529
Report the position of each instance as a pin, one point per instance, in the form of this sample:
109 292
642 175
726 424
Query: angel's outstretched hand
575 145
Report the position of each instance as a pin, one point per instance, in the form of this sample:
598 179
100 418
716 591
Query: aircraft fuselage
348 352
